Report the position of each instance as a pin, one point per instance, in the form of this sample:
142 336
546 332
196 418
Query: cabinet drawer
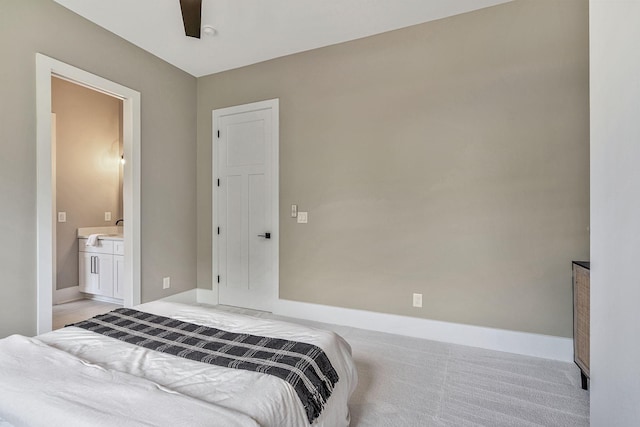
118 247
103 247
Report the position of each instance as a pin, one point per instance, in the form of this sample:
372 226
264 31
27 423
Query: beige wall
88 149
168 180
449 159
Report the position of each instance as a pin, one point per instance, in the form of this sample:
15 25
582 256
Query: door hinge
218 134
218 230
218 279
218 182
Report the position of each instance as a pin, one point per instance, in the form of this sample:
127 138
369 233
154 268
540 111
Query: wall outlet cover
417 300
107 216
62 217
166 282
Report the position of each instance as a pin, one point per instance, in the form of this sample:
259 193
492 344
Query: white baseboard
103 299
193 296
529 344
537 345
60 296
207 296
186 297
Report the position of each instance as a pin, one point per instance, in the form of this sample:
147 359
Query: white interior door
246 204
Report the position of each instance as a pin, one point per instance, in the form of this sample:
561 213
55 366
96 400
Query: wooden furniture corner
581 318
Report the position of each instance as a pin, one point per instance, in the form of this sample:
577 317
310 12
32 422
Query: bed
78 377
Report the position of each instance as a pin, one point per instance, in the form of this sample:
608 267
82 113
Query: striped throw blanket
304 366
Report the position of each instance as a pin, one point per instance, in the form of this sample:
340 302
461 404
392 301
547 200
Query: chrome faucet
119 221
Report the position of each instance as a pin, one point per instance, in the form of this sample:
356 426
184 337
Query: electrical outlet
303 217
417 300
62 217
107 216
166 282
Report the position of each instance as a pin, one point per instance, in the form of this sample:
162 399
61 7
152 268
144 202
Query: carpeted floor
409 382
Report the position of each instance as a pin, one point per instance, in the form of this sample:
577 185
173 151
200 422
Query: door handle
265 235
94 264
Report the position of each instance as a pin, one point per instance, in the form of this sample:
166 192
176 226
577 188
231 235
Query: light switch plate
303 217
294 211
107 216
62 217
166 282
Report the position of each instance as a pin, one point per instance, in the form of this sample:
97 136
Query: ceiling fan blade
191 16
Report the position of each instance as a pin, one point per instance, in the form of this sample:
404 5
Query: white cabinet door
95 275
85 274
104 274
118 276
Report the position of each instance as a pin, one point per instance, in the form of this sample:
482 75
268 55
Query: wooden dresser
581 298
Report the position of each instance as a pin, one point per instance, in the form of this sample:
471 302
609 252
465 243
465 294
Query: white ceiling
251 31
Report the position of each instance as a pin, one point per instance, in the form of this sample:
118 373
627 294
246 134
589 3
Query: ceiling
251 31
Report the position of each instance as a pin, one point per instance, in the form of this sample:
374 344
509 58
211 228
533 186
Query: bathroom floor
75 311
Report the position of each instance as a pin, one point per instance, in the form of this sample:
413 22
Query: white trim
206 296
274 105
61 296
545 346
45 68
102 298
186 297
528 344
54 207
194 296
45 220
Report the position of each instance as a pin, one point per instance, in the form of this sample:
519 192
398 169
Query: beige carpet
409 382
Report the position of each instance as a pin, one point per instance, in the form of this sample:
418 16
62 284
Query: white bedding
62 390
264 399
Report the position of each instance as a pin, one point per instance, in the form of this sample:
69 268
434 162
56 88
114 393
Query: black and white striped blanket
304 366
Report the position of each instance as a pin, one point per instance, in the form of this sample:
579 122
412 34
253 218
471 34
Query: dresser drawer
103 247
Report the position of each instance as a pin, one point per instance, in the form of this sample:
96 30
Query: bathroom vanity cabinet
101 267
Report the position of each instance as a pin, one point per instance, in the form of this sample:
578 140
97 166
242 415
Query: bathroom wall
88 167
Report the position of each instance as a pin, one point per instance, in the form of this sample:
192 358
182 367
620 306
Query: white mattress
265 399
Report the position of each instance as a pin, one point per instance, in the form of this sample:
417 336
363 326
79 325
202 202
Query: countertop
106 233
106 237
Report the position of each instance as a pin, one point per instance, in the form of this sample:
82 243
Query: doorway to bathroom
65 213
87 152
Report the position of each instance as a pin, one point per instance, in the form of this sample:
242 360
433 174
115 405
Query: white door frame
274 105
47 67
